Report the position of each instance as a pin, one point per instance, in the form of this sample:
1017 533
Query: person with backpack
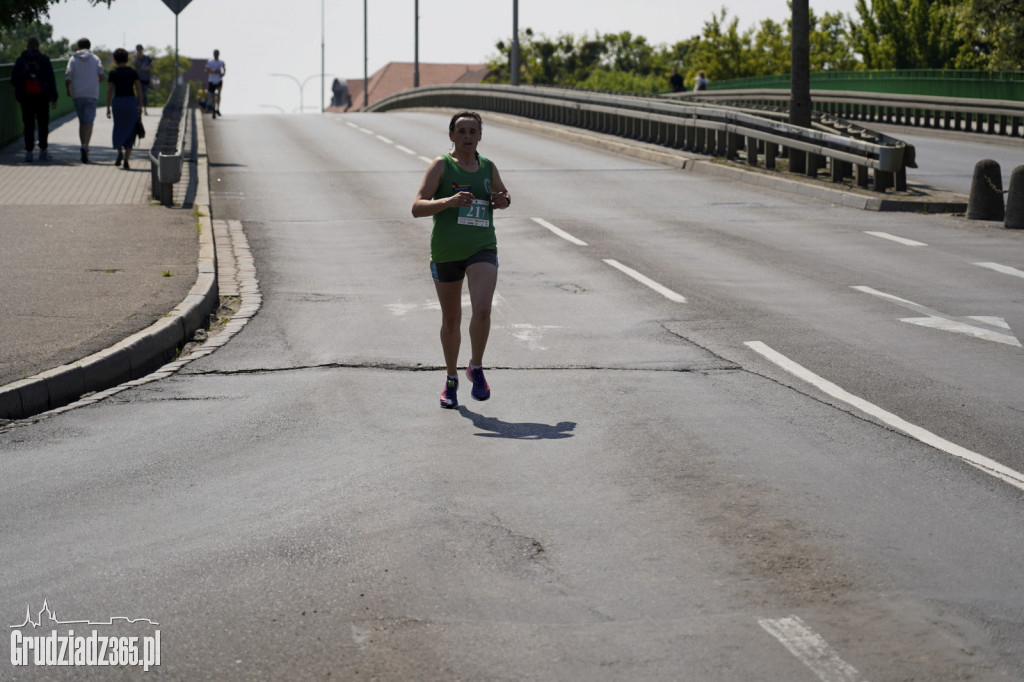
35 89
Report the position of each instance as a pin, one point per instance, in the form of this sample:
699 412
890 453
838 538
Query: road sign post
176 6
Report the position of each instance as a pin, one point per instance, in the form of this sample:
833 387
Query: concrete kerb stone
702 164
131 358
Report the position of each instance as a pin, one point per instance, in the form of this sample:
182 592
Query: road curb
704 165
139 354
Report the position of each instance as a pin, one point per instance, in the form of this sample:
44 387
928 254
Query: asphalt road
650 493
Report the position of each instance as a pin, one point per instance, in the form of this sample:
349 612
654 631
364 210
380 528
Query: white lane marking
643 279
559 231
365 130
811 649
989 466
1005 269
423 158
350 124
900 240
979 326
404 149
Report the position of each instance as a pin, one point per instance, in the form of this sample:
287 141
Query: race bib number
477 214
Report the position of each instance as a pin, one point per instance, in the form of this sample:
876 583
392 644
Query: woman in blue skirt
124 95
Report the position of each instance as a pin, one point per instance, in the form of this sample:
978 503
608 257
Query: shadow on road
521 431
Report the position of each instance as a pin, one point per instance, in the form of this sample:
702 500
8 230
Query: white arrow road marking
559 231
644 279
979 326
811 648
898 240
989 466
1005 269
530 333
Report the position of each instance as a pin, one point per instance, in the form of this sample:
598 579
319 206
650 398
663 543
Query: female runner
460 190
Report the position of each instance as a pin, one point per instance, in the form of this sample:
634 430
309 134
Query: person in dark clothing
35 88
676 80
125 92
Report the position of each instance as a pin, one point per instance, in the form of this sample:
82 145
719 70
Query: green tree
15 12
909 34
993 34
13 41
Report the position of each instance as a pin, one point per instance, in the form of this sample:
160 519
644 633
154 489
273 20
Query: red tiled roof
398 76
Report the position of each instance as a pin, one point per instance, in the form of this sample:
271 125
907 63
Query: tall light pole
416 46
322 69
302 86
366 59
514 60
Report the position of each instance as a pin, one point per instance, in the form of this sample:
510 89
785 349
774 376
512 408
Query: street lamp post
323 67
302 87
514 57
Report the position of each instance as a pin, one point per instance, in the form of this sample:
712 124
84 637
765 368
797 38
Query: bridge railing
698 127
989 116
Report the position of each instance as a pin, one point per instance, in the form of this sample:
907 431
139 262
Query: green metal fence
10 113
1003 85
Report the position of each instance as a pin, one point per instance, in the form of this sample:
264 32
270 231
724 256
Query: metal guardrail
989 116
697 126
167 152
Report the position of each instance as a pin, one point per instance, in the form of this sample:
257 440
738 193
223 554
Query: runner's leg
449 295
483 278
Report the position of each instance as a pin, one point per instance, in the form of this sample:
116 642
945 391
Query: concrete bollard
986 200
1015 201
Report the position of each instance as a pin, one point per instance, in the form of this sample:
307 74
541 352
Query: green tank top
461 232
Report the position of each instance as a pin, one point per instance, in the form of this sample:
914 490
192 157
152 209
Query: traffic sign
177 5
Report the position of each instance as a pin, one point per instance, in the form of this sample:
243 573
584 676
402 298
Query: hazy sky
260 37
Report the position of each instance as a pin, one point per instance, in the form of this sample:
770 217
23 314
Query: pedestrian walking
35 89
82 78
215 71
461 190
143 65
124 105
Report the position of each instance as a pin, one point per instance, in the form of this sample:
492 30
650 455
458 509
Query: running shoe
450 396
44 155
120 158
480 391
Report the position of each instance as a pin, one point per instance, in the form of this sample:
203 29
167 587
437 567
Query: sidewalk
88 261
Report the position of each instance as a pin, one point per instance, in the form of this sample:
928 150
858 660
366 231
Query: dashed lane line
560 232
811 649
898 240
647 281
1005 269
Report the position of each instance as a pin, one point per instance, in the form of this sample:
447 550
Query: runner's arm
425 204
500 197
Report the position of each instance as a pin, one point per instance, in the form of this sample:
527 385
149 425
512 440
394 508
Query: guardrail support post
752 151
863 179
797 160
770 150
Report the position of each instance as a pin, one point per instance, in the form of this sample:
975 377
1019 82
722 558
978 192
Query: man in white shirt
83 77
215 70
